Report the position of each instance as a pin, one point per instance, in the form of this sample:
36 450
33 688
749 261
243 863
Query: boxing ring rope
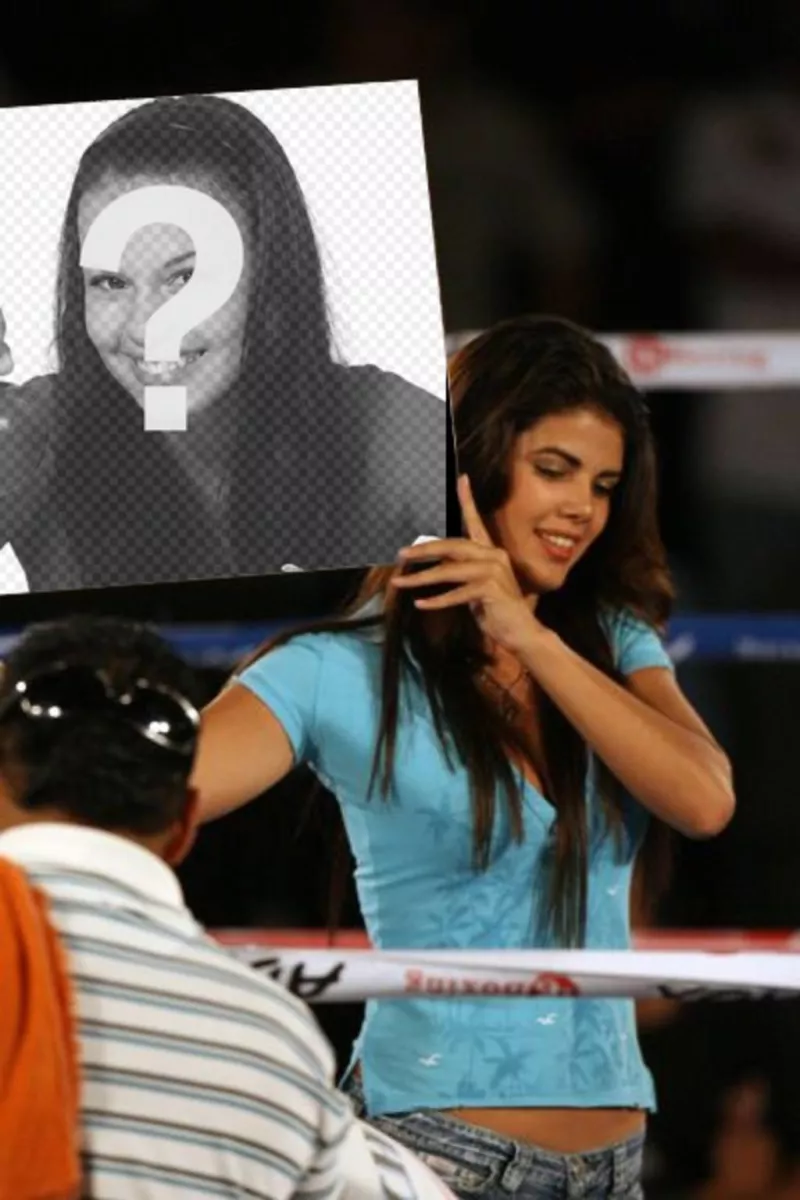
688 361
734 968
744 638
703 639
691 638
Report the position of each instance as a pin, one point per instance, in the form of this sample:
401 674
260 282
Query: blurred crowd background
635 167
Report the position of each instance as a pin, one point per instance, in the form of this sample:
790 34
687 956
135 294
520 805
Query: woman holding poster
513 707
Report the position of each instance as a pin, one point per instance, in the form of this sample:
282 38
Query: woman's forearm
678 774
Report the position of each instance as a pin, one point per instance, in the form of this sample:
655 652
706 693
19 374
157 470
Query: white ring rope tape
684 361
344 976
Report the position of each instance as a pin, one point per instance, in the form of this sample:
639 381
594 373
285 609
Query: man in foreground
195 1075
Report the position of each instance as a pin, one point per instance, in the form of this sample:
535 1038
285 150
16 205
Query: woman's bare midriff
562 1130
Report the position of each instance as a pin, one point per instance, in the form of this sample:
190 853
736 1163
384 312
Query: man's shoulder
185 965
256 975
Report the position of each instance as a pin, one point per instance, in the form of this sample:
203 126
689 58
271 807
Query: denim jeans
476 1163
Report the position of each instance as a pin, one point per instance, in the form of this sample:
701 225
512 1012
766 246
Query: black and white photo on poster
313 389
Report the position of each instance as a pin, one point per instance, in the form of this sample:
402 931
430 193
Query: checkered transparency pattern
334 467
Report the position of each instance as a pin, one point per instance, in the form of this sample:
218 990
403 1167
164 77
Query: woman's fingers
470 593
452 572
454 548
473 522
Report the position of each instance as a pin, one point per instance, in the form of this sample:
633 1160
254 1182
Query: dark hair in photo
125 498
94 766
501 384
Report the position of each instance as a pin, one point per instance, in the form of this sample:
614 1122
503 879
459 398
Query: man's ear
9 813
184 831
12 786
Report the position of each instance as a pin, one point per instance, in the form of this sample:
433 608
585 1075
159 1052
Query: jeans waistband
506 1163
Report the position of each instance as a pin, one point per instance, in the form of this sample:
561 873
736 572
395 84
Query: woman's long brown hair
501 384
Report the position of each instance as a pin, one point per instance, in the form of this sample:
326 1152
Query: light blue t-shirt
418 889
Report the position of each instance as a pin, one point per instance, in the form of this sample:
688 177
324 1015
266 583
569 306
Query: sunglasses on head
63 691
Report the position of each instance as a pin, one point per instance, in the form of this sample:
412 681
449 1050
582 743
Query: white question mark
219 259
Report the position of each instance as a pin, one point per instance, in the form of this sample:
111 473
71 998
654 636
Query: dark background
571 151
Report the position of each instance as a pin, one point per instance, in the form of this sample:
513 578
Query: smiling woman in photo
289 457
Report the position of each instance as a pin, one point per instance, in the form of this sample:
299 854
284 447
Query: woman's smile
158 262
165 373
